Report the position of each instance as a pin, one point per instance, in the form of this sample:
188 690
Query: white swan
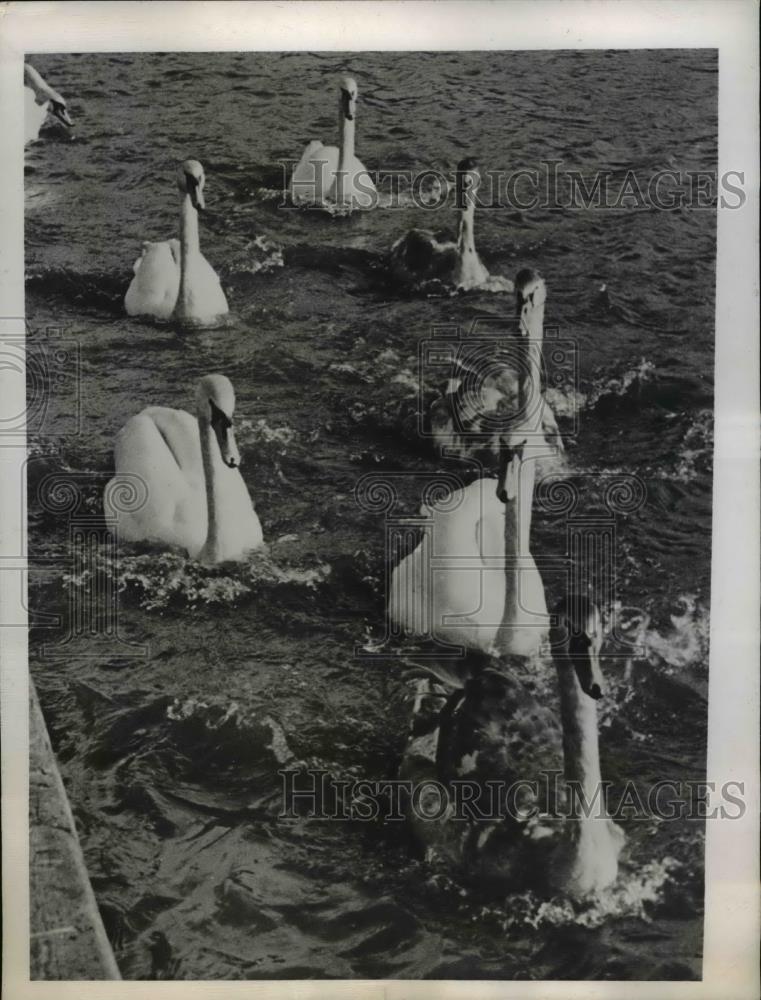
333 174
196 497
482 396
499 730
173 280
39 99
475 583
419 256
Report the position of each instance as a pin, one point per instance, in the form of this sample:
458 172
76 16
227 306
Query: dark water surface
171 758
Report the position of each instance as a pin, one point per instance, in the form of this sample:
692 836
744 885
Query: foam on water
168 579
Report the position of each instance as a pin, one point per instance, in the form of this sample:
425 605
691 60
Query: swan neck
581 754
188 229
532 324
346 140
189 248
36 84
466 238
208 444
514 550
345 155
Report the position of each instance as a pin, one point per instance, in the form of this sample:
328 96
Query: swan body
196 497
40 100
459 587
333 174
419 256
173 280
500 729
154 289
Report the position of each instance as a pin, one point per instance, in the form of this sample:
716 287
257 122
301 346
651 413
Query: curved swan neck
208 443
32 79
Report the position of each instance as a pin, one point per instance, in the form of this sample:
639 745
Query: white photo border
731 935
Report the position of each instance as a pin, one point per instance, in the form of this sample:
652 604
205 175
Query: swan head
348 97
191 180
530 290
215 405
510 457
577 640
467 182
43 92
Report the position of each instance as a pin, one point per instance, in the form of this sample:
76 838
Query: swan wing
314 174
34 115
162 447
503 731
419 256
445 587
204 301
154 289
240 530
359 188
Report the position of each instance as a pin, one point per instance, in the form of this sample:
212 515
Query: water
171 758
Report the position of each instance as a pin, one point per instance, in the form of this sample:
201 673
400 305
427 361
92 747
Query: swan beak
347 105
59 110
589 673
223 431
227 447
195 192
509 472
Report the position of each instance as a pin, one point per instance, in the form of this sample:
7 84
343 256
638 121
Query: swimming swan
419 256
499 729
39 99
327 174
173 280
196 497
474 582
480 397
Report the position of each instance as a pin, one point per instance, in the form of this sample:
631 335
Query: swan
39 99
481 396
196 497
333 173
475 582
173 280
499 729
419 256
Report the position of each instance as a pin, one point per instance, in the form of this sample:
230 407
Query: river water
171 733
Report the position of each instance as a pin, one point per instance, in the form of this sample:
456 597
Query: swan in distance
419 256
334 174
39 100
497 730
173 280
196 497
